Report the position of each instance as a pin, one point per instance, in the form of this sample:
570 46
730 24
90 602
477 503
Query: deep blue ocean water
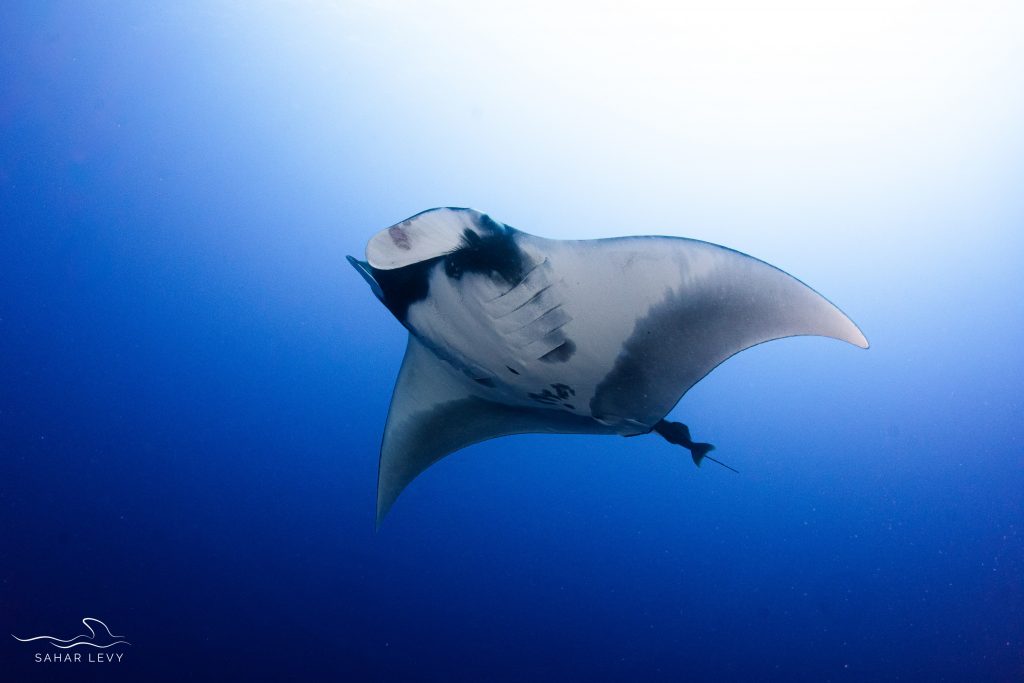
193 382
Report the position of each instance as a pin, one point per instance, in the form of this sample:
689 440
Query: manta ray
510 333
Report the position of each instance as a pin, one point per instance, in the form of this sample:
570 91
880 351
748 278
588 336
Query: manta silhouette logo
98 637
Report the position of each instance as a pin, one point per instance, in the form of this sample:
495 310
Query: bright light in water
776 129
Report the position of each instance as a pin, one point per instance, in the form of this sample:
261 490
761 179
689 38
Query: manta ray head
400 259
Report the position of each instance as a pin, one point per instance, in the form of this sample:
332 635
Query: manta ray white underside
510 333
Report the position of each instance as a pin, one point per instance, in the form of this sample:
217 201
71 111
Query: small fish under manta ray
510 333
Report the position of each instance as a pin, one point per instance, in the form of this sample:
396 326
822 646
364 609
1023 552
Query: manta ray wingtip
858 339
849 331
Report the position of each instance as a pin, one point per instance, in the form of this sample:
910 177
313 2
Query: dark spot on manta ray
653 370
560 393
636 373
560 353
546 396
486 381
399 237
569 406
512 370
495 254
563 390
489 224
402 287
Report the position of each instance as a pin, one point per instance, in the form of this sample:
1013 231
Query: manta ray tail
679 434
699 451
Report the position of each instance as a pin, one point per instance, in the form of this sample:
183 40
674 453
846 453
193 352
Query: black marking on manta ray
635 372
560 393
486 381
560 353
563 390
512 370
546 396
402 287
648 364
495 253
490 225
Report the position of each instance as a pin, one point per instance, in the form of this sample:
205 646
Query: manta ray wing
436 410
688 306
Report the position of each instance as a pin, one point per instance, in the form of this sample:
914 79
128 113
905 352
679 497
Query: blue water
193 382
